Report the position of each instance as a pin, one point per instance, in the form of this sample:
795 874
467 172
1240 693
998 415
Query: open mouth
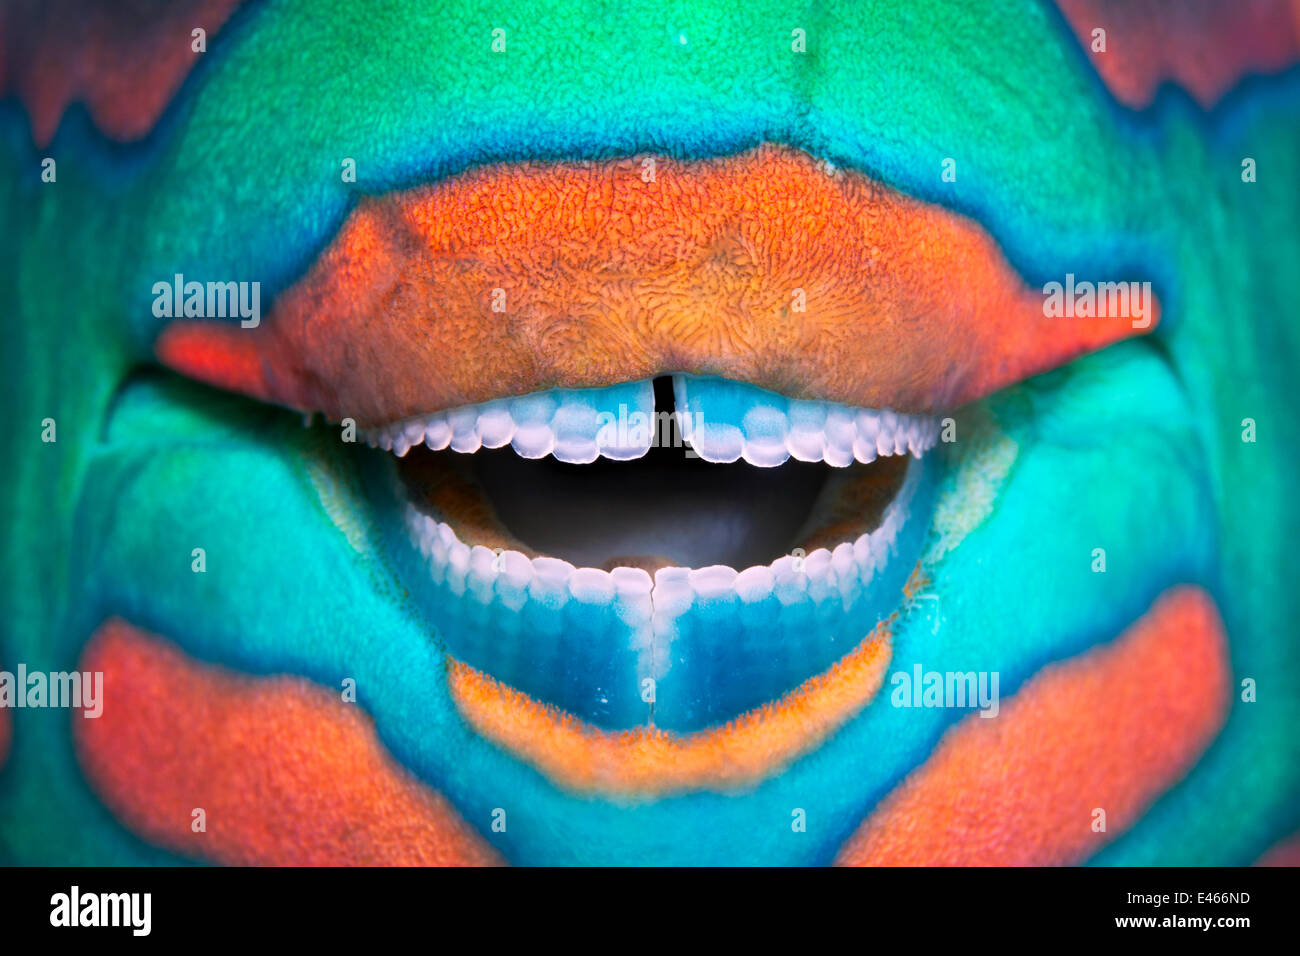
689 530
661 452
590 481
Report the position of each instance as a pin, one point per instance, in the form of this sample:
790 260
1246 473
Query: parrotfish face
650 434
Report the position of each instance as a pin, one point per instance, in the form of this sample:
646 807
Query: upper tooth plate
723 421
574 425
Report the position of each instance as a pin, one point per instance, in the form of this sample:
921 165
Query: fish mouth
557 474
515 339
674 577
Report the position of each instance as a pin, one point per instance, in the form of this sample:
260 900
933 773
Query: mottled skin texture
1136 448
763 267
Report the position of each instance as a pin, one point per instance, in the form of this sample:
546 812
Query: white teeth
725 421
457 567
765 428
533 441
846 570
437 433
515 579
715 581
672 593
576 426
551 577
817 564
591 586
464 429
884 444
413 433
754 584
512 584
632 587
807 436
839 436
918 441
789 583
716 441
495 425
866 428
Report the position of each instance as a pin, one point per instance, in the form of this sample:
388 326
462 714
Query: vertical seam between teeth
426 532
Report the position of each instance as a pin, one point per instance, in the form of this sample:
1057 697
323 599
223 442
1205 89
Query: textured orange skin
287 773
125 61
1205 46
609 278
1113 728
648 762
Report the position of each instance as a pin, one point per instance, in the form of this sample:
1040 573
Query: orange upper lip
766 267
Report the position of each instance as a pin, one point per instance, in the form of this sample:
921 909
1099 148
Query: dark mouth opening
666 508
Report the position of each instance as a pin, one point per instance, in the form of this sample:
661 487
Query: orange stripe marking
287 773
125 61
1205 46
648 762
1113 728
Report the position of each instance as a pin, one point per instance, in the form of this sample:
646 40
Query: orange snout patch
767 267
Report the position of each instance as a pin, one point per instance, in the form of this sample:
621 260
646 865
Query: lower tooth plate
703 645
